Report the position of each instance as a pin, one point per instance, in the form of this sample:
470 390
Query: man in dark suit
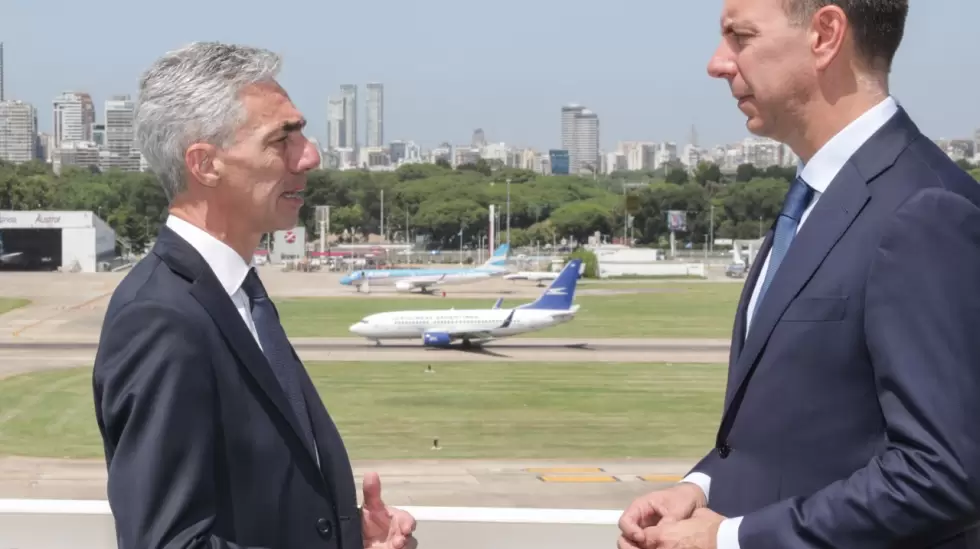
854 377
214 434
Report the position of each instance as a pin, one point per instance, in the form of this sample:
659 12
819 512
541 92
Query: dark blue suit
852 408
203 448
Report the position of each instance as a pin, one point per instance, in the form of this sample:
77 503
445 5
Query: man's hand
698 532
384 527
669 505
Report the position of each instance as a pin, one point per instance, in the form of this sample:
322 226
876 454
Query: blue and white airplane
406 280
442 328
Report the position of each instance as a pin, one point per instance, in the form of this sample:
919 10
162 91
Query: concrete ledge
88 524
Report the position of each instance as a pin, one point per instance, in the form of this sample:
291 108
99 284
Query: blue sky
449 67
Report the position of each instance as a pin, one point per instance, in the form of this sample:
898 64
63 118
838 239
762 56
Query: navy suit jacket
203 448
851 412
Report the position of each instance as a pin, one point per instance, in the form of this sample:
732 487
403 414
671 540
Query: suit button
724 450
323 528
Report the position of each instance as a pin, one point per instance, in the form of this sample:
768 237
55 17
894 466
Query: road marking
561 470
572 478
661 478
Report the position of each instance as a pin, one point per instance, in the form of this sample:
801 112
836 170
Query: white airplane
406 280
538 276
476 326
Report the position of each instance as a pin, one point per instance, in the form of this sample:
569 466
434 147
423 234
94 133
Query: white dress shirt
228 266
818 174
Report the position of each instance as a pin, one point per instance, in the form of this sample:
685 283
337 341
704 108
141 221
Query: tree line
437 202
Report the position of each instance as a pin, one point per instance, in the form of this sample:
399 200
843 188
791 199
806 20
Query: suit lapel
836 210
832 215
741 314
206 289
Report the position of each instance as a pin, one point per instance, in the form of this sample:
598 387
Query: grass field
662 310
8 304
477 410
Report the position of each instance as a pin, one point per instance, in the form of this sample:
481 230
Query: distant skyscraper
120 135
479 138
2 96
349 94
580 137
336 124
18 132
74 114
587 142
375 114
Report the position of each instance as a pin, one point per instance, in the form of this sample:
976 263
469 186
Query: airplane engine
403 286
436 339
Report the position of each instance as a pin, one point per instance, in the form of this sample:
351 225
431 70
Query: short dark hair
878 25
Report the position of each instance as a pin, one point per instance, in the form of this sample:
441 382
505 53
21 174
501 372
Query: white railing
87 524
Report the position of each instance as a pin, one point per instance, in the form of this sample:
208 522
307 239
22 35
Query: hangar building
45 240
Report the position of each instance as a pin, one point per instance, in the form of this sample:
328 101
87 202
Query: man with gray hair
854 373
214 434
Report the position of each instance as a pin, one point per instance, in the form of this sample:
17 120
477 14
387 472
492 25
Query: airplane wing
419 281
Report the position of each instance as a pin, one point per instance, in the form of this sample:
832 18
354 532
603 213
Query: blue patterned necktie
277 350
797 199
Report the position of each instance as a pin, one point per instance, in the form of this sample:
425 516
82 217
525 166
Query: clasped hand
675 518
384 527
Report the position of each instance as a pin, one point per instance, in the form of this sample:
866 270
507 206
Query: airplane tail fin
500 301
499 257
561 293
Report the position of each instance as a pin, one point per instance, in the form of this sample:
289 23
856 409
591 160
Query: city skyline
438 94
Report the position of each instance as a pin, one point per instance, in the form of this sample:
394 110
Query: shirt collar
821 170
229 267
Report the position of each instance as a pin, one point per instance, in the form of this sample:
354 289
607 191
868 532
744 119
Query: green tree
582 219
707 172
589 261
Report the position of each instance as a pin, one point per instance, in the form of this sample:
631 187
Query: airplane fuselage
415 324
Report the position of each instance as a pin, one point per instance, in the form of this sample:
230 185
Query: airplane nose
356 328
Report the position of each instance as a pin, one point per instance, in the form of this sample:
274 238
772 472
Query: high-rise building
336 125
120 135
479 138
3 97
98 134
349 93
976 146
74 114
375 114
18 132
580 137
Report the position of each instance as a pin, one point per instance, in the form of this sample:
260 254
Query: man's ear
829 32
200 160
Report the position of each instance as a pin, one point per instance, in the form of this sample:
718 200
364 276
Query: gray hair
192 95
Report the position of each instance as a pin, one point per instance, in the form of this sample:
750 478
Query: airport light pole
508 212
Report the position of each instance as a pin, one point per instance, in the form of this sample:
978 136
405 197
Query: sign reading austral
51 220
29 219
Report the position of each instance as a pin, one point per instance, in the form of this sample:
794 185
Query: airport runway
18 356
60 328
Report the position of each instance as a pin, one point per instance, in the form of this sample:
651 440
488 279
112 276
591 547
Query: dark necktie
277 350
797 199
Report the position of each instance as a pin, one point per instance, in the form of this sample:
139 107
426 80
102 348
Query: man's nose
721 64
310 159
